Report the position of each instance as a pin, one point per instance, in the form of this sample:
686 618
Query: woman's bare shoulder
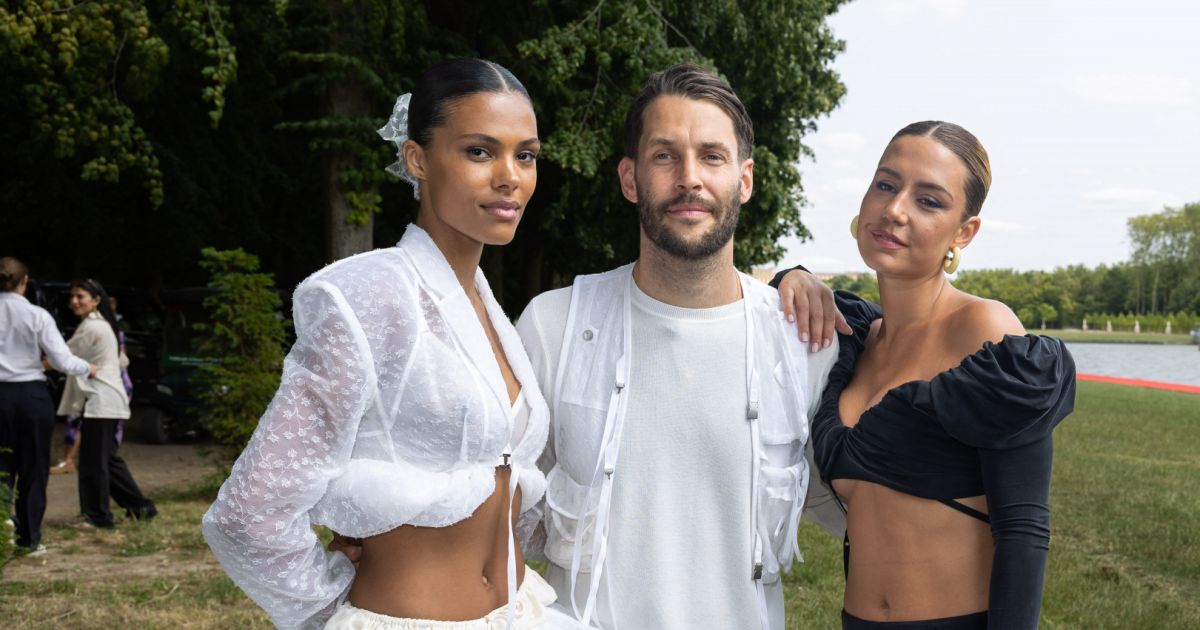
979 320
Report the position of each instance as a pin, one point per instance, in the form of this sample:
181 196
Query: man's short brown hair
689 81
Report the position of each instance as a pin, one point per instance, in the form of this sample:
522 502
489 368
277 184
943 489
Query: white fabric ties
753 392
606 463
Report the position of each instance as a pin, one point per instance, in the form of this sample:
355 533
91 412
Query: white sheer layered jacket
391 411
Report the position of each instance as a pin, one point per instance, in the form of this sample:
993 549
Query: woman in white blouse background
408 414
102 402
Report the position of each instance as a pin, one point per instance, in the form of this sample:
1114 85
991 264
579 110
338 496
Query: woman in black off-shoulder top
935 428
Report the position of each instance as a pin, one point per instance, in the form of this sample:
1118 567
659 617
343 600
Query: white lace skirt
531 611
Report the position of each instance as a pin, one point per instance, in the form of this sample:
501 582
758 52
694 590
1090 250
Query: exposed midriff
913 558
453 573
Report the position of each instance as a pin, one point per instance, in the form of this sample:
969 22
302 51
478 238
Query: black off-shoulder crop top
983 427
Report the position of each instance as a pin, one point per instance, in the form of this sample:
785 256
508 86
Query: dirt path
154 467
170 546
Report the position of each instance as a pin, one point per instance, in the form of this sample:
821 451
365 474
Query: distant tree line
1160 282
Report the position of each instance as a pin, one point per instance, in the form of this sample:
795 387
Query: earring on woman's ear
953 259
854 227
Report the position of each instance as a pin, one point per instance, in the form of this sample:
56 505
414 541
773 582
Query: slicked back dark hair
446 82
11 273
968 148
689 81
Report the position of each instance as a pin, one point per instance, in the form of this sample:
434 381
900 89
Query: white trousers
531 611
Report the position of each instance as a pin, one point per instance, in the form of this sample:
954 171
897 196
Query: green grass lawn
1100 336
1125 512
1125 551
145 575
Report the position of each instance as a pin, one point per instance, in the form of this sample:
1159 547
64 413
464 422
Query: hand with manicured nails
808 303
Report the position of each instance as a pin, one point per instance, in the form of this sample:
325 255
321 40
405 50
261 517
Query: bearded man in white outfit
679 394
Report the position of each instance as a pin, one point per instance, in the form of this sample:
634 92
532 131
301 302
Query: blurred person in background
101 402
26 409
71 434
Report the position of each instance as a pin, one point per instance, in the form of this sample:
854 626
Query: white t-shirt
679 530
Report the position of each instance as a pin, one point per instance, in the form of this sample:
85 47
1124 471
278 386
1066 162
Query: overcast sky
1089 110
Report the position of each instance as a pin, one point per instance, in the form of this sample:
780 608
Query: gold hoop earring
854 228
953 259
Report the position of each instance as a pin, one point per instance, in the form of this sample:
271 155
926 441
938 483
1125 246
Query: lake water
1169 364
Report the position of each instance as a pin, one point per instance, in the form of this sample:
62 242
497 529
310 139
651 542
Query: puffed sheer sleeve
259 527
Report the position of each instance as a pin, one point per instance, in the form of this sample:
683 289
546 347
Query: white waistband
529 611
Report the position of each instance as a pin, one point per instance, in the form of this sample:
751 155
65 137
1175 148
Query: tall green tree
584 71
252 124
351 58
80 71
1166 253
126 157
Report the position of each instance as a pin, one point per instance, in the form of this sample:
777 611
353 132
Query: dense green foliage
83 67
1166 256
861 284
172 126
245 337
584 71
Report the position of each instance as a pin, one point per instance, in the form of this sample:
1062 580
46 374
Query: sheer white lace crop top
392 410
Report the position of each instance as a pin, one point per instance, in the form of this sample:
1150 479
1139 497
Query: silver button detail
587 335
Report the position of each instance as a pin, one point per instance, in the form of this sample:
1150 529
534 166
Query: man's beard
725 211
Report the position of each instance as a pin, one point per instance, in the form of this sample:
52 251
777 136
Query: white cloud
1126 88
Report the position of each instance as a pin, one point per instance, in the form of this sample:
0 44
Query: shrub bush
245 340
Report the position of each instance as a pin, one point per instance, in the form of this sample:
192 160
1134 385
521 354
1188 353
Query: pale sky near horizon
1090 112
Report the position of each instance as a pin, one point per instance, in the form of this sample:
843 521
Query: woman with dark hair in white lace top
408 414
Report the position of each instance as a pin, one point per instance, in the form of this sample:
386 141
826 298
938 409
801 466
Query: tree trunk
1137 293
344 99
1154 292
342 238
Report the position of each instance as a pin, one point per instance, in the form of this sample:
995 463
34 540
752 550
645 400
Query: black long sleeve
779 276
1017 484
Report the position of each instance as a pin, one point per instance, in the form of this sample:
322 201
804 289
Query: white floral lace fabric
391 411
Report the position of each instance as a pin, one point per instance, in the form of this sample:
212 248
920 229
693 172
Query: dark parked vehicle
158 341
